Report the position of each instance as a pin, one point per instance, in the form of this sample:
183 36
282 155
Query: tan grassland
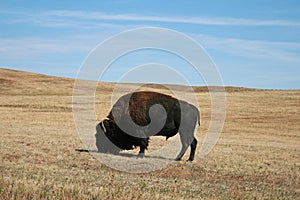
256 157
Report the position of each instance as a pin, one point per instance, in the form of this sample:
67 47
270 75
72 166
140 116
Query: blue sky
253 43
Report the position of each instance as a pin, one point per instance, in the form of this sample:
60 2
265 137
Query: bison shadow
124 154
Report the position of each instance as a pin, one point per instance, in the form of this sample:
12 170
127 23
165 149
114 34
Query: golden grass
257 156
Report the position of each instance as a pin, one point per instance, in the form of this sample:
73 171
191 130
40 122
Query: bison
177 116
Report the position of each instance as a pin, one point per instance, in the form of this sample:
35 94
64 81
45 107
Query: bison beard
140 103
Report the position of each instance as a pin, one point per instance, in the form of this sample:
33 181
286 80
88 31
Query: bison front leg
143 145
141 153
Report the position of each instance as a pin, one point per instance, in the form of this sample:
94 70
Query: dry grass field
256 157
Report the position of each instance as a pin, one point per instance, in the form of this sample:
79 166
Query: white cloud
34 46
189 20
11 48
68 18
51 20
284 51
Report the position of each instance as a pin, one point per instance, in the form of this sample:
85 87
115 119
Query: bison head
104 137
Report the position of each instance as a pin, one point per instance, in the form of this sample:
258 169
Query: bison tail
198 116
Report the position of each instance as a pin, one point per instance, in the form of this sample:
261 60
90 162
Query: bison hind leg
187 139
193 149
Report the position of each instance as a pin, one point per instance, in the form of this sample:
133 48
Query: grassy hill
257 155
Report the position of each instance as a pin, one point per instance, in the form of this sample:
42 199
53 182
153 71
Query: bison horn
103 127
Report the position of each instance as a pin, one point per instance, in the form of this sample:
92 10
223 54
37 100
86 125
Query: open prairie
256 157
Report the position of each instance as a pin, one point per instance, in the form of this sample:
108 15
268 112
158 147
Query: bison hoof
177 159
141 155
